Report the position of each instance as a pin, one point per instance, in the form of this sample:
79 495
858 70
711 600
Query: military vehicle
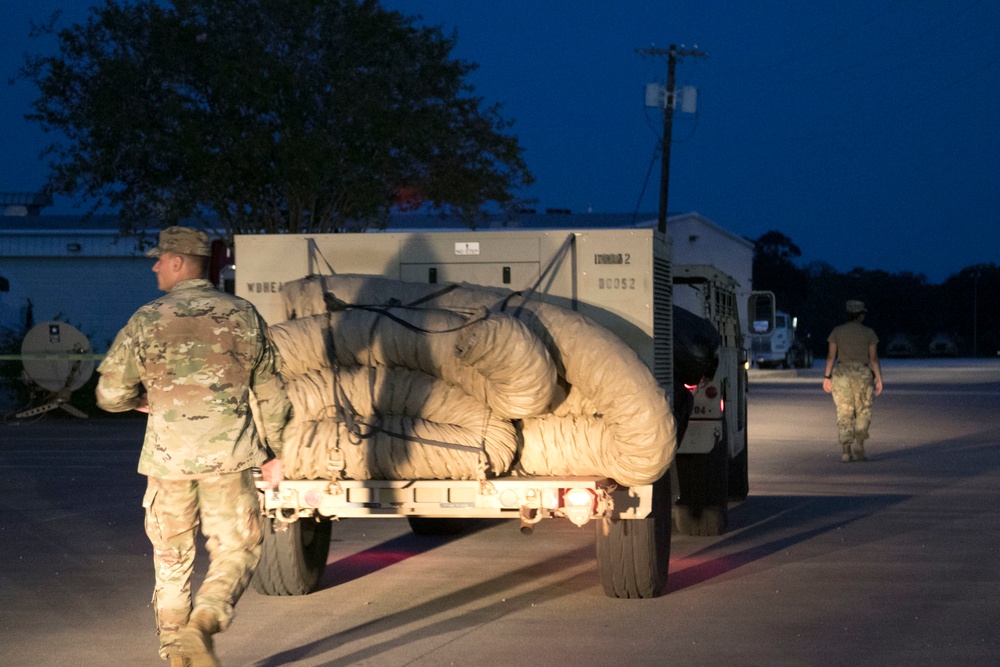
623 280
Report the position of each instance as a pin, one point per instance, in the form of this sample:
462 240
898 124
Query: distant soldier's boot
846 458
859 449
196 640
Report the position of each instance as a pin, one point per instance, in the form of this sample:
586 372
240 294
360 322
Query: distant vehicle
943 345
780 347
901 345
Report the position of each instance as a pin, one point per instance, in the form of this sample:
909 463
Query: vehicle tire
435 526
633 555
292 561
739 474
702 506
739 465
700 521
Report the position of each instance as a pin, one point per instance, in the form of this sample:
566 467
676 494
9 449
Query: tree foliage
775 245
899 304
774 269
299 115
967 307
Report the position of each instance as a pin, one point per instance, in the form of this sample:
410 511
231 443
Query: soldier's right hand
272 472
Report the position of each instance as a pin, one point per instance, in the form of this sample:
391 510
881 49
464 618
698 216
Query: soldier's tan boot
846 457
196 640
859 450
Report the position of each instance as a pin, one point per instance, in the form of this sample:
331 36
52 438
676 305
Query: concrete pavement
889 562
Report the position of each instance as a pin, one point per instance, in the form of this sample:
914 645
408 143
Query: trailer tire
435 526
292 561
633 555
739 468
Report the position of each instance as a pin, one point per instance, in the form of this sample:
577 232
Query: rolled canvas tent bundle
397 380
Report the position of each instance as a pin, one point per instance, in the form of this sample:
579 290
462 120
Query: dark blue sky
865 130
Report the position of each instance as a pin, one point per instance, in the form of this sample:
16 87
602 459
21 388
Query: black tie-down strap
527 294
359 430
386 310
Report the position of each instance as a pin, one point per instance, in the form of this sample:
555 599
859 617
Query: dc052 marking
616 283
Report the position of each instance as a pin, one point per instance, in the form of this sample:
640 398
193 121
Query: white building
698 240
76 270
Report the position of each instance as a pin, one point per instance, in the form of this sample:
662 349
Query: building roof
59 223
694 216
22 204
553 220
25 199
109 224
407 221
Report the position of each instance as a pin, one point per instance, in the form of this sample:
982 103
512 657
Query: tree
774 244
774 269
965 308
300 115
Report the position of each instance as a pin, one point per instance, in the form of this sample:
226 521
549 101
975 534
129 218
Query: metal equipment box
619 278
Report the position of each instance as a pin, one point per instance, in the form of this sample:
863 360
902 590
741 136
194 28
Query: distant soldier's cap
855 307
183 241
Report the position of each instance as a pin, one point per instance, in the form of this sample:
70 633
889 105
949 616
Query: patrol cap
183 241
854 307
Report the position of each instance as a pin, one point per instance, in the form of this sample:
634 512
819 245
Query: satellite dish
58 358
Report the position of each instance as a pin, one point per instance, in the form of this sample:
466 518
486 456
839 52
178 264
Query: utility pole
673 54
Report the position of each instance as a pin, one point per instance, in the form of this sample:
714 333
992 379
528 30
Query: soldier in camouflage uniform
192 359
854 381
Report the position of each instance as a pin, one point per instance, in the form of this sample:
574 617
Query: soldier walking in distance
855 379
194 359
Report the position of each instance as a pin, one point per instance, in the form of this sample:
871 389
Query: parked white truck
621 279
780 347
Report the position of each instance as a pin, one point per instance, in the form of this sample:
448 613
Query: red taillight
711 391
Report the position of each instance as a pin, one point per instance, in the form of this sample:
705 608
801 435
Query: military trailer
620 279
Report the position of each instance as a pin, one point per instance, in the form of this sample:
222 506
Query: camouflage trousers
227 508
853 391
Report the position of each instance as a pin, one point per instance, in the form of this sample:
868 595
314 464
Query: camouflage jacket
200 356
